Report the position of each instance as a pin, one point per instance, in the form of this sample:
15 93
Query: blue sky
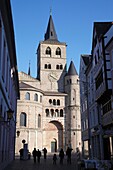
73 20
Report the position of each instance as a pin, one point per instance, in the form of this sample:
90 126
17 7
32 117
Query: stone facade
48 112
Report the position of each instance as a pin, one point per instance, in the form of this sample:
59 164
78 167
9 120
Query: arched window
39 121
58 51
52 112
36 97
49 66
47 112
48 50
57 112
54 102
50 101
61 113
23 119
27 96
41 99
57 67
45 66
61 67
58 102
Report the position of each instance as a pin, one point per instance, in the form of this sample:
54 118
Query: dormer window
48 50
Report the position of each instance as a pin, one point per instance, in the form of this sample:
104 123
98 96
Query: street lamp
9 116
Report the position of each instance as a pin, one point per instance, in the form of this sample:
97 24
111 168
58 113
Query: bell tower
51 60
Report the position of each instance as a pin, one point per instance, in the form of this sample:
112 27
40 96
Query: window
52 112
47 112
40 99
49 66
58 102
61 67
58 51
48 50
50 101
57 112
54 102
35 97
45 66
57 67
99 79
27 96
61 113
23 119
39 121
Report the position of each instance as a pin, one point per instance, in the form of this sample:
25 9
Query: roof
50 32
102 27
86 59
72 69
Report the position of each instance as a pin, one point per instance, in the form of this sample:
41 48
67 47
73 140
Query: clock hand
53 77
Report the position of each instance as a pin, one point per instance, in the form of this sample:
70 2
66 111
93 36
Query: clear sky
73 20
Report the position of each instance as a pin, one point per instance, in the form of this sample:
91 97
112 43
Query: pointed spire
29 69
72 69
50 32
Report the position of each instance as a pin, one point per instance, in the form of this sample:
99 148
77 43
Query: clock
52 76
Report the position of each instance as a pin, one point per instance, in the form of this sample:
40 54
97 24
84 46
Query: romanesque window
47 112
52 112
48 50
61 67
58 51
57 112
54 102
36 97
58 102
50 101
27 96
57 67
41 99
23 119
47 66
61 113
39 121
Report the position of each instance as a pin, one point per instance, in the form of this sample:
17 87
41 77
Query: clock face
52 76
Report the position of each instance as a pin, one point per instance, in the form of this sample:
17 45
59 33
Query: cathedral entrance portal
53 136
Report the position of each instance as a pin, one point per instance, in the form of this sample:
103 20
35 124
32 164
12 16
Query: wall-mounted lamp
9 116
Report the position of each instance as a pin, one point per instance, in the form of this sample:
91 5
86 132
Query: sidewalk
18 164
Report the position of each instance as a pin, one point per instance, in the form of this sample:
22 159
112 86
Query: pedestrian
61 155
45 153
54 159
68 154
21 153
34 154
38 155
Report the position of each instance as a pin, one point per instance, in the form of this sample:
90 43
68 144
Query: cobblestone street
18 164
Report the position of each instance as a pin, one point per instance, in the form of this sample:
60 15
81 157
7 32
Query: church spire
50 32
72 69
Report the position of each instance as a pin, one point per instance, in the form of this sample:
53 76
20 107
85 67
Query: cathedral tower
51 60
73 125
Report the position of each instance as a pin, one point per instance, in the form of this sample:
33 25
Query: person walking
68 154
54 159
61 155
34 154
38 155
45 153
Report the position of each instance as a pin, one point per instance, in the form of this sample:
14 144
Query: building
98 75
9 85
48 113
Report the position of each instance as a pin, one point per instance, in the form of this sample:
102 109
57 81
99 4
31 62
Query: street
47 164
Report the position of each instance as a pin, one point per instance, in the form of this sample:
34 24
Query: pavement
47 164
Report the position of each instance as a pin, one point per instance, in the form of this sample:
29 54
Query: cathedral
48 111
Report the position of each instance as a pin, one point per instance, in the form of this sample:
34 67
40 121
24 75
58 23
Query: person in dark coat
68 154
38 155
45 152
61 155
34 154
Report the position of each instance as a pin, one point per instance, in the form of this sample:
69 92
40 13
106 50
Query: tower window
47 112
58 51
48 50
35 97
50 101
57 67
61 113
45 65
58 102
54 102
61 67
51 33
